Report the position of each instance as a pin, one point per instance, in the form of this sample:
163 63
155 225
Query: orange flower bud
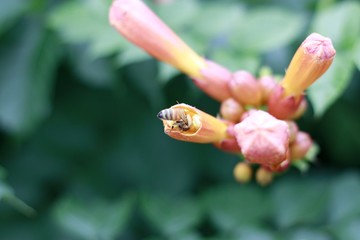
263 176
267 84
311 60
245 88
283 107
243 172
262 138
231 110
187 123
300 146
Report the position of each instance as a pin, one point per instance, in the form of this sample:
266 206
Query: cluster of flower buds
256 115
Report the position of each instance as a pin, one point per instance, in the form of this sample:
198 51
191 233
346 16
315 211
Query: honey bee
178 115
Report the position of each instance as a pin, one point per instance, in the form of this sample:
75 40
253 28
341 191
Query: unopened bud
214 80
300 110
279 167
283 107
262 138
243 172
245 88
231 110
293 130
267 84
300 146
263 176
310 61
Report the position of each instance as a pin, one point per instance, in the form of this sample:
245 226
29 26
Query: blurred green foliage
84 157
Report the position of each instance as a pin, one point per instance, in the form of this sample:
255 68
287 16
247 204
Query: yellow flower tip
310 62
138 24
187 123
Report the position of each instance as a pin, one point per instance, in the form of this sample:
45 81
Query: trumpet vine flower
270 139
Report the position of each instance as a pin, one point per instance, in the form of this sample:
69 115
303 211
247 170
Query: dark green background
81 145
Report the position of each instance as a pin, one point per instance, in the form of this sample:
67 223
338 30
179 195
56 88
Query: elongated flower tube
311 60
138 24
187 123
263 139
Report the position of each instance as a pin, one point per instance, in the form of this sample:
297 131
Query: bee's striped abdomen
178 115
170 114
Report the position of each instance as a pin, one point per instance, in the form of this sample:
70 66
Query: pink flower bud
267 84
262 138
301 109
263 176
231 110
300 146
310 61
214 81
279 167
229 145
283 107
245 88
293 130
247 113
243 172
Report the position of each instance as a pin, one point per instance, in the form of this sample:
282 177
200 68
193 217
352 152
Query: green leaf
308 234
178 14
302 165
235 62
325 91
97 72
232 206
27 69
344 197
347 230
265 29
341 23
7 195
356 55
166 72
132 54
169 215
216 18
10 11
298 201
87 22
252 232
93 220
